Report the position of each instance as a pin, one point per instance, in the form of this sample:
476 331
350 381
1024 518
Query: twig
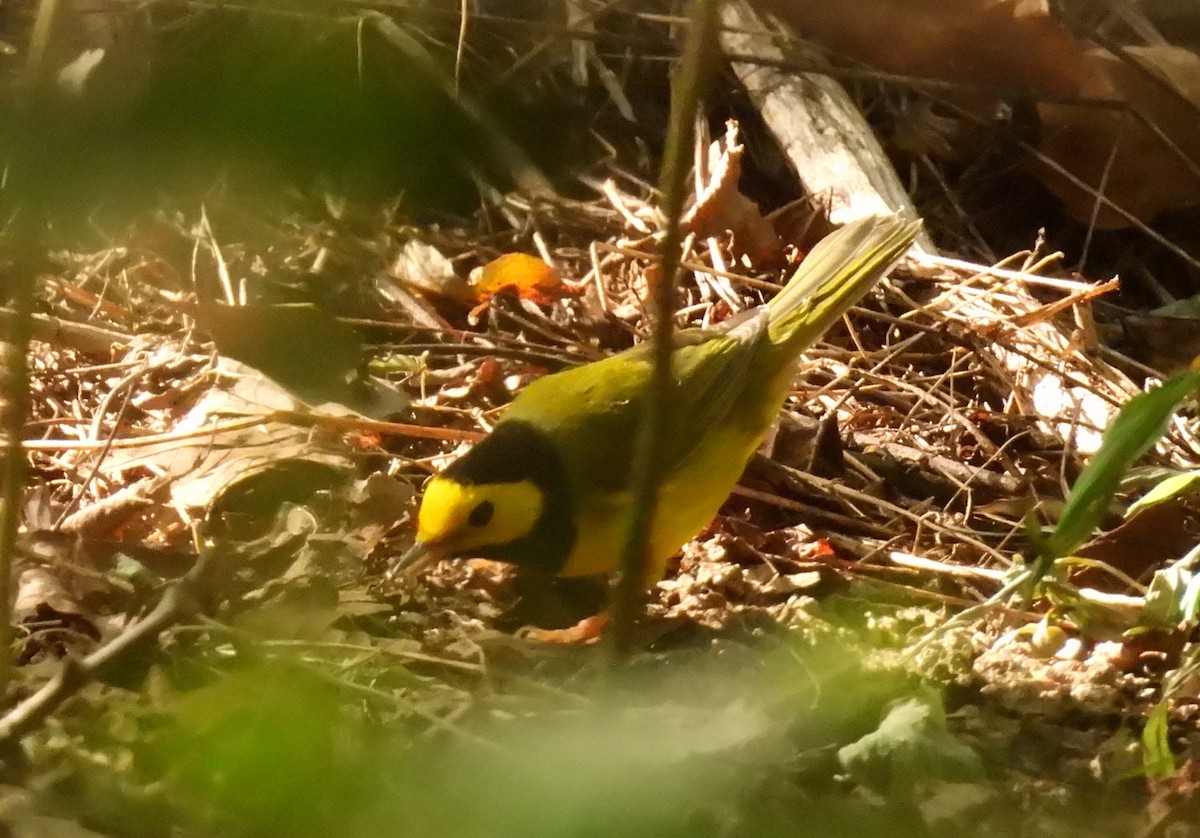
342 423
1077 298
966 571
696 68
178 601
84 337
1004 273
550 361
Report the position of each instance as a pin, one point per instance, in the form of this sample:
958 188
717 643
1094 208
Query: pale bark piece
820 130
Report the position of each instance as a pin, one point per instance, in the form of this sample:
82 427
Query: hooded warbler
549 488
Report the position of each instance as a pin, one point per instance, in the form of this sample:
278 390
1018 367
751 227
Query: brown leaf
303 348
1166 338
203 467
1115 151
990 43
107 516
1143 543
720 207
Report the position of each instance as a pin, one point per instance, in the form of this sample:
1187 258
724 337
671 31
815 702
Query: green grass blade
1134 431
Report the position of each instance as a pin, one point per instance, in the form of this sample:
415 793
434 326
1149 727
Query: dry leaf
207 465
300 346
307 351
424 267
530 277
1166 338
720 207
1116 152
1150 539
990 43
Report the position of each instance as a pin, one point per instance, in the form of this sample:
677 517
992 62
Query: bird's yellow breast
688 500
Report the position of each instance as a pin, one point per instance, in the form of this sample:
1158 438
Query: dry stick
333 423
477 350
178 601
84 337
696 68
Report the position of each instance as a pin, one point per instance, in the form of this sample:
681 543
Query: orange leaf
530 277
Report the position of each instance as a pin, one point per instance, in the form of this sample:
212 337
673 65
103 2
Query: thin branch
315 420
84 337
178 601
696 69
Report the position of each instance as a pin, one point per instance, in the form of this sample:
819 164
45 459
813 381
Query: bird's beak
418 556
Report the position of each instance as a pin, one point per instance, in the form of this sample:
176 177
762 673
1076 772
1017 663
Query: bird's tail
834 276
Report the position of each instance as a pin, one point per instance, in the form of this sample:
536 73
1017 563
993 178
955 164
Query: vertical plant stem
696 69
12 425
21 194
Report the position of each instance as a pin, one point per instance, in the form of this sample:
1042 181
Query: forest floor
235 401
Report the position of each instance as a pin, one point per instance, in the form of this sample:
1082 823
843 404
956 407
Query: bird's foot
587 630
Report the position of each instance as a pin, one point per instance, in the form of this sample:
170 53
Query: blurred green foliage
264 751
253 100
279 728
738 740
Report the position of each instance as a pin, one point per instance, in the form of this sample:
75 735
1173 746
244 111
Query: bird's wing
592 413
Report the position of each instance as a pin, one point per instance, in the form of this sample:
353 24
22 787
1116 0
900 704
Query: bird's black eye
482 514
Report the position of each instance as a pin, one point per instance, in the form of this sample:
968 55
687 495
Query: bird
550 487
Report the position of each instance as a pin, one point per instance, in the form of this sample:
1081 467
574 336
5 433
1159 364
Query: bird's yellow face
458 518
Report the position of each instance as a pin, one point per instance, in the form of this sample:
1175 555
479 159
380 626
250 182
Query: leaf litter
961 397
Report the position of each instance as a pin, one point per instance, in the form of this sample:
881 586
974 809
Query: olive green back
735 375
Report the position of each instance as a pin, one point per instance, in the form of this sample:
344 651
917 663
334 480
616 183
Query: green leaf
912 744
1174 594
1134 431
1171 487
1167 596
1157 760
1189 603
